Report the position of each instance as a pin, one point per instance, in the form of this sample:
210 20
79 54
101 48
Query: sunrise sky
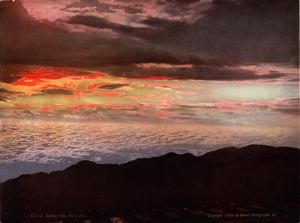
163 58
227 67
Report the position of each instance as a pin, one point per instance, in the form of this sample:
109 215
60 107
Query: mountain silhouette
255 175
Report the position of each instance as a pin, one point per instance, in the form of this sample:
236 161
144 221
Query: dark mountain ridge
253 175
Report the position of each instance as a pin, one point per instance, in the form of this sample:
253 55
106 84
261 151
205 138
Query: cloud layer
46 141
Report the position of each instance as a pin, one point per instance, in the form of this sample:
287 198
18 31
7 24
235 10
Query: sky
148 57
167 68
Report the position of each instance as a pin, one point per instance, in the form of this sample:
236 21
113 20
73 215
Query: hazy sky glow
114 80
84 94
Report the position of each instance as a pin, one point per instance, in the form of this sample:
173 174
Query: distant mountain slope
255 174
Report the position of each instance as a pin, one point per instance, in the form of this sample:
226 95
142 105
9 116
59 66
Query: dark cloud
247 30
290 111
97 22
46 44
2 90
158 30
235 31
189 107
295 79
57 92
9 72
227 32
289 106
3 93
200 72
112 86
180 2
